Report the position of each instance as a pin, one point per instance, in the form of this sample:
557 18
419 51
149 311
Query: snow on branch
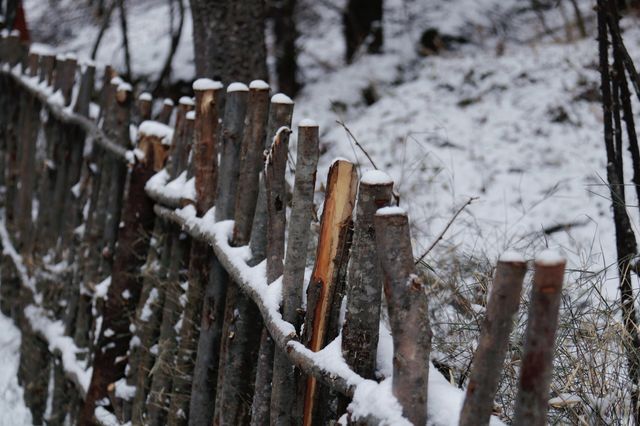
65 114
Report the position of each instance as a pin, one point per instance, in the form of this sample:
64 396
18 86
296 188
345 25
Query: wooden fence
139 301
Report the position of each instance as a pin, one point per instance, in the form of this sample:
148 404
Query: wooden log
160 392
47 65
365 281
334 227
148 318
208 94
119 129
212 319
280 115
145 103
124 291
284 395
68 79
542 323
185 105
492 348
33 60
166 112
408 313
242 326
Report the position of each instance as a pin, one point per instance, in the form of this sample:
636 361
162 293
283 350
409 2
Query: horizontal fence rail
150 266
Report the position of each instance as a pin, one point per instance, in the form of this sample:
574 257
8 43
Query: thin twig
441 235
355 141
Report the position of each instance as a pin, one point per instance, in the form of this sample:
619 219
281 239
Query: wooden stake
542 323
408 313
494 341
336 220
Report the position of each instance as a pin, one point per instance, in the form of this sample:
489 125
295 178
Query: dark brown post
365 281
537 362
334 228
242 319
494 340
145 102
284 395
167 110
280 115
124 291
205 153
408 313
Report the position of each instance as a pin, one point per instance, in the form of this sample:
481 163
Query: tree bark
493 343
229 40
408 313
362 21
537 361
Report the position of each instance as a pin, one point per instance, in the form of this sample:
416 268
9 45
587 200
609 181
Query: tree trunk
228 39
362 22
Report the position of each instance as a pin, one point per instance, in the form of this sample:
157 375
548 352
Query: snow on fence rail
145 262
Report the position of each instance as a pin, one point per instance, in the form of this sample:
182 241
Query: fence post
124 291
243 322
280 115
204 154
408 313
532 400
284 395
322 297
365 281
145 103
167 110
488 360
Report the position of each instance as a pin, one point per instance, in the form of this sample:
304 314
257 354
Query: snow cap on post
549 258
168 102
191 115
186 101
376 177
145 96
511 256
307 122
259 85
281 98
237 87
203 84
391 211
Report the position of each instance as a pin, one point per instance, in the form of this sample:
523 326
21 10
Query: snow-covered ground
13 411
511 118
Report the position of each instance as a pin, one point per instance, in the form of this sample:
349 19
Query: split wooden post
242 318
124 291
494 340
331 257
280 115
408 313
365 281
284 392
205 153
532 401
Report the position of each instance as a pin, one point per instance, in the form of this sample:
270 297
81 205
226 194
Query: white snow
125 87
191 115
237 87
391 211
549 258
202 84
186 100
259 85
157 129
168 101
375 177
145 96
511 256
281 98
307 122
13 410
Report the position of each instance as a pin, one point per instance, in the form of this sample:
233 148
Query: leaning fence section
156 277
